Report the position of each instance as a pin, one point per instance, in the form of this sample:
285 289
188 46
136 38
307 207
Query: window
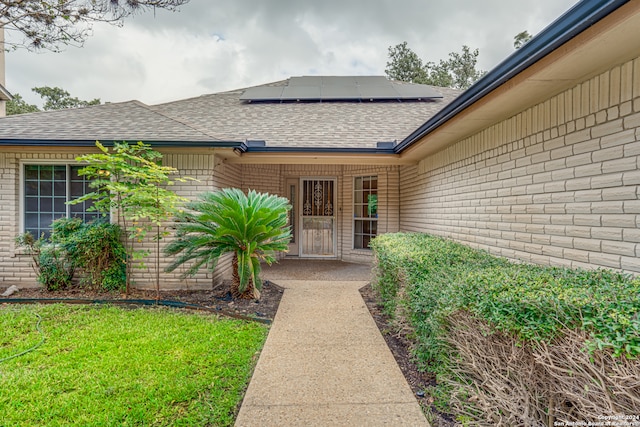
365 211
47 188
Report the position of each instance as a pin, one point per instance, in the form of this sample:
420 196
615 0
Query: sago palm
253 227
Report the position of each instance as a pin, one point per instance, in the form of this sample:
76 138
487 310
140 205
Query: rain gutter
92 143
261 147
577 19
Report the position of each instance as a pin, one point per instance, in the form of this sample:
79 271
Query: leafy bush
56 271
538 303
93 248
52 266
420 274
96 248
533 302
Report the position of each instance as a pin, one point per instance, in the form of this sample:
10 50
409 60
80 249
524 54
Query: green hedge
430 278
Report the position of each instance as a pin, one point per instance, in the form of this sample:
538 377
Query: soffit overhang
613 40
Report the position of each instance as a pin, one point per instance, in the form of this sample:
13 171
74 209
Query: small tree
129 182
252 227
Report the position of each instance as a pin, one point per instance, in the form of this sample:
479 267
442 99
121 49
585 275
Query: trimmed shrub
517 344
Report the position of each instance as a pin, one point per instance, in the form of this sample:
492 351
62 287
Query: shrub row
479 318
437 277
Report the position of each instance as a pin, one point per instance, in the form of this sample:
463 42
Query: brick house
538 161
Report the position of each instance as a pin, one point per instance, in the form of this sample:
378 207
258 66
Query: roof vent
386 145
256 143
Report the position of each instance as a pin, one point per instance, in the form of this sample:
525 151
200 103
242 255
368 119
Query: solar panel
262 93
296 93
340 88
413 91
373 91
339 92
305 81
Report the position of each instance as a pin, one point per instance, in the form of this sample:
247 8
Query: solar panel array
340 88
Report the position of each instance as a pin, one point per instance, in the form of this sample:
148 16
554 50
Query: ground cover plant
111 366
514 344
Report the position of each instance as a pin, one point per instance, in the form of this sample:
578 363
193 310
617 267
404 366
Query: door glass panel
317 236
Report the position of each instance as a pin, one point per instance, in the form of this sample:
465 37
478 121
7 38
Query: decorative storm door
318 218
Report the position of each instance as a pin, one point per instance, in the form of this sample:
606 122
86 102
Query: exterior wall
555 184
15 266
210 174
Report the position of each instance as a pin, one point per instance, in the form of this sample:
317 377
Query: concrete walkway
326 364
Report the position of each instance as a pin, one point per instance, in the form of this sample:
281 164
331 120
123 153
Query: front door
317 217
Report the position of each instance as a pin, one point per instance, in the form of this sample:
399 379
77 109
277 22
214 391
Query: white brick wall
15 267
555 184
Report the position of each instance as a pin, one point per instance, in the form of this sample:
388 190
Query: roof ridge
182 122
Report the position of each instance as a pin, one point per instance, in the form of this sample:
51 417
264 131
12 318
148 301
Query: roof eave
576 20
92 143
4 94
249 153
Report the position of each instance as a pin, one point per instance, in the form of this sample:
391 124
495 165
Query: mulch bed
217 299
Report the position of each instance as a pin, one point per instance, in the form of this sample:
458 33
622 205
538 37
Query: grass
109 366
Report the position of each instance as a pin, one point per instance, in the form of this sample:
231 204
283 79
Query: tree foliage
52 24
521 38
54 98
457 71
18 105
405 65
251 226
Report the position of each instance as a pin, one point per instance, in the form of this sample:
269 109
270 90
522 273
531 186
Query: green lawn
109 366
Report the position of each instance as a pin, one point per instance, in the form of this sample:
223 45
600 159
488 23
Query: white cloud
212 46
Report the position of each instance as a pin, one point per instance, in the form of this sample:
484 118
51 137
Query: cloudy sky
217 45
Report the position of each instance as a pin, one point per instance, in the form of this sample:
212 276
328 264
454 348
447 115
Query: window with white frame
365 210
47 188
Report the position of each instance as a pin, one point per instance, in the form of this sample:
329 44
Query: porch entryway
316 269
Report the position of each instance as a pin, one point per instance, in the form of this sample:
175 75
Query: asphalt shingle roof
128 121
223 116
